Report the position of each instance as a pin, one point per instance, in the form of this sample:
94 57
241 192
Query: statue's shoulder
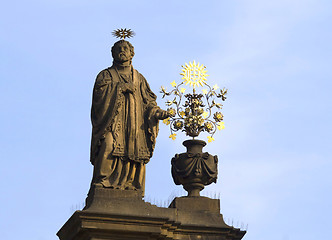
106 73
140 75
104 77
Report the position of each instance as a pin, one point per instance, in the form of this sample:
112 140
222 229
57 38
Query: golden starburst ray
123 33
194 74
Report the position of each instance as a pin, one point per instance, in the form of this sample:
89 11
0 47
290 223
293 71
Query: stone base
122 214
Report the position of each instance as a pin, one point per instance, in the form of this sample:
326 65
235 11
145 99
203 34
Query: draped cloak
124 128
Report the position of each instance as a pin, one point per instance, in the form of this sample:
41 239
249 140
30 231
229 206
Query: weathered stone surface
114 214
196 203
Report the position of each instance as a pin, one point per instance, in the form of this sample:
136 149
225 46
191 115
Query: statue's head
122 51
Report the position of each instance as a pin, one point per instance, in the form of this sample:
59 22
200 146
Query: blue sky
273 56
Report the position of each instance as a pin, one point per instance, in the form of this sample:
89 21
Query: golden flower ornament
194 112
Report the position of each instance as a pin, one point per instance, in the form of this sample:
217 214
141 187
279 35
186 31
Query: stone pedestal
120 215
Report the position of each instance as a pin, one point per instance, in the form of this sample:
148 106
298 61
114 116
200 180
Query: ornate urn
194 169
194 112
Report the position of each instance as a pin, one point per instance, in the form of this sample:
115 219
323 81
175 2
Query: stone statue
124 119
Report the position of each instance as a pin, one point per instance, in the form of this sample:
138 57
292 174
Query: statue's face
121 52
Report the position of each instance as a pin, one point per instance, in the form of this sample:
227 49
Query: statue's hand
161 114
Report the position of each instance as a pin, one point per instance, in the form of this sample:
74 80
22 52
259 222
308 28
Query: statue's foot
98 185
130 188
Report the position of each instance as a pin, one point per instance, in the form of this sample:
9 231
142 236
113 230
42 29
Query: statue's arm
102 85
104 102
149 99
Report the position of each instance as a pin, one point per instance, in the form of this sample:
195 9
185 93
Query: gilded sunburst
194 74
123 33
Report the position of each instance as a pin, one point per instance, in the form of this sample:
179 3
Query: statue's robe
124 129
